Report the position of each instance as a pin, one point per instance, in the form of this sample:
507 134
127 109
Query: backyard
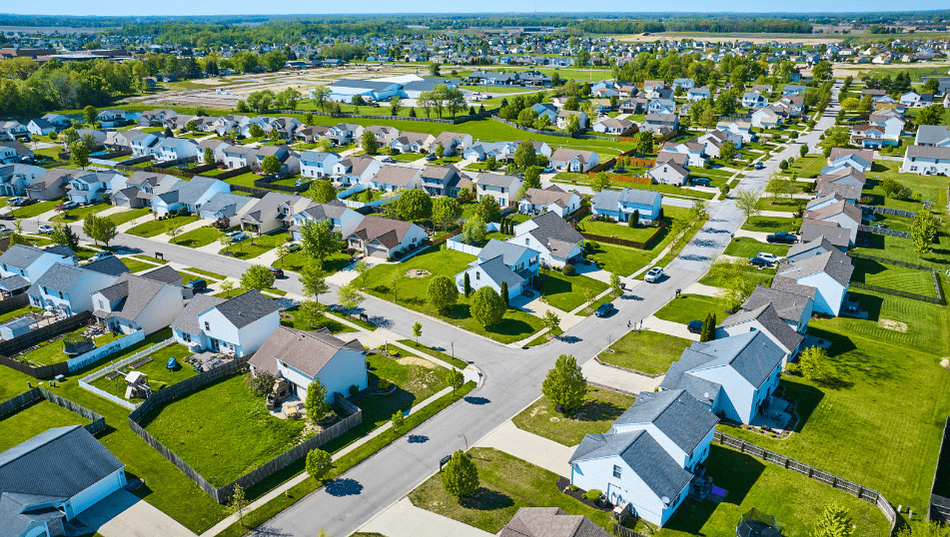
31 420
566 293
601 407
619 230
51 351
157 226
159 376
909 280
647 352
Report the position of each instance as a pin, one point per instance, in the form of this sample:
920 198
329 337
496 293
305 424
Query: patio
775 415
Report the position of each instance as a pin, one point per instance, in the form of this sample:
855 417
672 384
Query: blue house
621 204
646 461
733 376
546 109
498 262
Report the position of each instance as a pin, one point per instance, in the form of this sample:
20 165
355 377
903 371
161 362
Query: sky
254 7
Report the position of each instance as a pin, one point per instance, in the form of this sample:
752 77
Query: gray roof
494 179
60 277
554 232
269 203
834 209
834 263
496 270
820 243
247 308
610 199
823 198
164 274
920 151
931 134
113 266
550 522
22 256
189 192
333 210
675 413
317 156
187 320
547 196
362 84
752 355
134 294
13 283
226 204
308 352
832 231
769 318
510 252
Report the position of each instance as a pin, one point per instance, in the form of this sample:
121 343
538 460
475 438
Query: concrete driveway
122 514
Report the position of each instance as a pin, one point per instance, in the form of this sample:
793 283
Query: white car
46 229
654 275
771 258
237 236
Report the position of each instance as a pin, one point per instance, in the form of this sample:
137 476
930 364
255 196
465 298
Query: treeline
758 26
671 65
618 27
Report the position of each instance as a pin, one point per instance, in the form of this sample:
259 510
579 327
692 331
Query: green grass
127 215
150 259
355 320
591 308
238 290
931 187
4 317
51 351
771 224
248 249
543 338
618 230
566 293
197 238
808 167
624 260
599 410
157 227
158 373
36 209
686 308
768 203
77 215
584 179
206 273
900 249
507 484
413 293
447 358
758 276
648 352
895 277
137 266
748 247
767 487
245 179
290 317
33 420
296 262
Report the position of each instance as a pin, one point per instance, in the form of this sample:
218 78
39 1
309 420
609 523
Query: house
829 274
188 195
792 307
893 125
564 116
867 136
610 125
40 127
217 150
698 94
302 357
822 201
910 99
636 105
574 160
754 99
226 205
453 143
237 326
383 135
645 461
52 184
546 109
924 160
668 173
413 142
843 213
621 204
52 478
344 133
766 118
14 178
13 130
685 83
311 134
661 106
138 302
661 124
804 250
111 118
932 136
30 262
791 89
170 149
289 162
317 164
84 187
552 198
550 522
59 121
838 236
846 183
14 151
275 211
143 143
733 376
356 170
555 239
743 129
155 117
343 219
540 148
503 188
693 151
141 188
444 181
860 159
69 288
392 177
384 237
499 262
764 319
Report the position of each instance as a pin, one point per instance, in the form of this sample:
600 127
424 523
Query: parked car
46 229
768 256
5 230
100 256
389 160
236 236
71 205
15 201
604 309
782 237
701 181
7 216
695 327
293 246
548 169
654 275
759 262
431 156
197 285
278 273
851 304
759 165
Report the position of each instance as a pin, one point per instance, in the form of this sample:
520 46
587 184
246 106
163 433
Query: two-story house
29 262
343 219
68 288
827 275
764 319
274 211
111 118
355 170
504 188
793 308
574 160
552 198
231 207
138 302
170 149
384 237
444 181
392 177
317 164
14 178
556 241
622 204
236 326
502 262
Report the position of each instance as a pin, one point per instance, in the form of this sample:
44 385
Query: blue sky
216 7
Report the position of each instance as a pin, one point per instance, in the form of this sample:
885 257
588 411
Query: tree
99 229
643 143
318 464
525 155
311 311
456 379
208 156
727 151
834 521
460 476
488 209
931 115
551 321
321 191
503 293
813 364
573 124
316 402
746 201
256 131
804 150
616 283
708 332
924 528
601 182
90 114
320 97
634 220
446 211
362 268
398 421
922 231
473 231
733 283
368 143
777 186
395 104
237 504
63 235
173 232
417 330
257 277
487 307
565 386
442 293
227 286
350 298
414 204
318 239
699 210
79 154
434 69
312 279
270 165
467 285
491 163
527 118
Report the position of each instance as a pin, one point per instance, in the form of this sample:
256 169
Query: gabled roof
832 231
509 251
164 274
227 204
919 151
768 317
548 196
307 352
497 180
247 308
321 211
553 232
387 231
550 522
675 413
113 266
134 294
269 204
828 211
497 271
565 154
396 175
819 243
610 199
822 199
21 256
752 355
187 320
835 264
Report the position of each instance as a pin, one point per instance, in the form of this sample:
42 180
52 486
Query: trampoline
758 524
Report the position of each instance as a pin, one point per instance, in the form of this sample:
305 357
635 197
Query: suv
293 247
278 273
695 327
759 165
46 229
604 310
654 275
770 257
783 237
759 262
71 205
701 181
237 236
197 285
100 256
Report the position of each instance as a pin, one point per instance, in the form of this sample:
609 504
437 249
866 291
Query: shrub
385 385
593 495
573 488
354 389
568 270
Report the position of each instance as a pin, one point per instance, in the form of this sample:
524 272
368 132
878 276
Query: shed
16 327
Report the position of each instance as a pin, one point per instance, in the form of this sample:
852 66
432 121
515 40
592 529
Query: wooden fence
231 173
887 210
14 302
625 242
17 344
875 230
827 478
621 531
267 182
940 505
97 422
223 494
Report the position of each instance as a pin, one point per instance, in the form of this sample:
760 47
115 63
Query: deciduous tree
442 293
318 464
460 476
565 385
257 277
316 401
318 239
487 307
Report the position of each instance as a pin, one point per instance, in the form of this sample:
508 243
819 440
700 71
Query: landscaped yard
76 215
895 277
618 230
647 352
249 249
197 238
750 483
156 227
783 204
137 266
33 420
291 317
771 224
930 187
296 261
159 376
600 409
36 209
749 247
568 292
808 166
127 215
413 292
686 308
758 276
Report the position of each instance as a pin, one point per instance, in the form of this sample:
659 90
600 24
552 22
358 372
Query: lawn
507 484
413 293
77 215
156 227
601 407
807 167
4 317
296 261
436 353
889 247
623 260
930 187
34 419
127 215
758 276
291 318
206 273
648 352
620 231
566 293
767 487
197 238
137 266
749 247
782 204
893 277
51 351
686 308
771 224
251 248
584 179
36 209
159 376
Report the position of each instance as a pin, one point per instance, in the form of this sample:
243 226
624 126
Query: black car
701 181
695 327
783 237
759 262
197 285
604 310
278 273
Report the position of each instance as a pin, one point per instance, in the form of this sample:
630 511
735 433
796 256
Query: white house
503 188
932 136
828 274
924 160
742 129
274 211
754 99
564 116
733 376
843 213
574 160
40 127
175 149
556 241
645 461
621 204
392 177
14 178
69 288
111 118
237 326
668 173
226 205
317 164
384 237
764 319
343 219
356 170
30 262
552 198
793 308
302 357
86 187
498 262
766 118
859 159
610 125
695 154
135 303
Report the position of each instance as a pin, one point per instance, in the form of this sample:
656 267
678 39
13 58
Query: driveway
122 514
403 519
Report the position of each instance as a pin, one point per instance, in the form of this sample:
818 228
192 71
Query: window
186 336
616 471
477 275
207 325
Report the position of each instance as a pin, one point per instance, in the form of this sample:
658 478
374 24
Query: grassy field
197 238
157 227
686 308
290 317
748 247
413 293
584 179
758 276
601 407
568 292
249 249
206 273
36 209
931 187
76 215
127 215
893 277
159 376
771 224
649 352
750 483
34 419
296 261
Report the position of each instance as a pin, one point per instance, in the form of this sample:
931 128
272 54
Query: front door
215 346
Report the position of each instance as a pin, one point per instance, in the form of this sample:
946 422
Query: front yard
127 215
157 227
686 308
771 224
250 248
748 247
76 215
601 407
566 293
647 352
31 211
197 238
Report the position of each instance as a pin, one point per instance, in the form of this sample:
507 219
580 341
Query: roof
14 283
919 151
22 256
564 154
841 207
753 355
552 231
307 352
133 293
226 204
509 251
769 318
111 265
387 231
931 134
269 204
498 180
164 274
803 246
247 308
547 196
60 277
609 199
497 271
395 175
675 413
189 192
550 522
835 264
320 211
832 231
866 155
187 320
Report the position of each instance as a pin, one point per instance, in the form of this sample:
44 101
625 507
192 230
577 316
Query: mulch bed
564 484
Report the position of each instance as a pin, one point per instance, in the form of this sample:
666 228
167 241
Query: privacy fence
33 395
21 343
827 478
940 490
896 292
625 242
450 121
223 494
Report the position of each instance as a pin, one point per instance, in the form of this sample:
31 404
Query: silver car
653 275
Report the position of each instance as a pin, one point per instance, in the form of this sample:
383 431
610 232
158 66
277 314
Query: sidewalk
700 289
619 379
669 328
402 519
777 214
530 447
191 226
757 235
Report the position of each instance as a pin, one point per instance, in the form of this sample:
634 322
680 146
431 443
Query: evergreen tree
460 476
468 285
504 294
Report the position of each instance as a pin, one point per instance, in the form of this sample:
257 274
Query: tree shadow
344 487
487 500
569 339
597 410
418 439
473 400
